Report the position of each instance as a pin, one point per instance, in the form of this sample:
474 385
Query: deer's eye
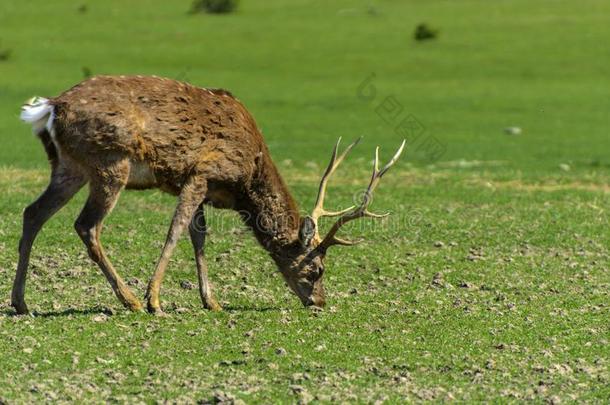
315 274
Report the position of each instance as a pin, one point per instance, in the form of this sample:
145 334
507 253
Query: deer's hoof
212 305
134 306
20 308
154 309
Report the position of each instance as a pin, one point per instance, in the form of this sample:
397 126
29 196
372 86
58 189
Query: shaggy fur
199 144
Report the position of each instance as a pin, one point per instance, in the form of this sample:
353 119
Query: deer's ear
307 231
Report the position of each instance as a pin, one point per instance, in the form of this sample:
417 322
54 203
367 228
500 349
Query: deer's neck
269 209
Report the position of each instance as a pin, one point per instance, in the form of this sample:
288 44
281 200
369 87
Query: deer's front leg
197 230
192 194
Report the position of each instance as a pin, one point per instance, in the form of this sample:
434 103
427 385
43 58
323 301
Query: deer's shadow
55 314
100 310
243 308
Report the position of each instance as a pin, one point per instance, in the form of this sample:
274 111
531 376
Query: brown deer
199 144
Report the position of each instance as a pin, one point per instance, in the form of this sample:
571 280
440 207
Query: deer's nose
315 302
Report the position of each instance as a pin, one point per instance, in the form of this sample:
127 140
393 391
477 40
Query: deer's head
303 265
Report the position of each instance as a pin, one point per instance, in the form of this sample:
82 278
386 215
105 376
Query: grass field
490 281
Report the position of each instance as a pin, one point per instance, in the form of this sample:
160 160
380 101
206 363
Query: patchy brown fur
199 144
175 128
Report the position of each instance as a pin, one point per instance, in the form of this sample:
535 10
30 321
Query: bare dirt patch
547 186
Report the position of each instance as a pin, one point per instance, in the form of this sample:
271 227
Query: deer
198 144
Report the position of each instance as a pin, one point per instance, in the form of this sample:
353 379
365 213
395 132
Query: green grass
490 280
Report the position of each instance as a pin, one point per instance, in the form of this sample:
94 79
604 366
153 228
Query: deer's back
163 126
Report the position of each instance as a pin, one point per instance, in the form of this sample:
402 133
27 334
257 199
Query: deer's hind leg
197 230
105 186
191 196
64 184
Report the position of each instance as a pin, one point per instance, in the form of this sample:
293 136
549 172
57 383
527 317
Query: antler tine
335 161
377 174
394 159
362 210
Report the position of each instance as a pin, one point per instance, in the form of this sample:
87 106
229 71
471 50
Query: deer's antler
351 213
318 210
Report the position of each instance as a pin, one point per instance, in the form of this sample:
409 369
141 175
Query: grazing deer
199 144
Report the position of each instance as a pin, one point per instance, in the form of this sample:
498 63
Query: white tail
38 112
